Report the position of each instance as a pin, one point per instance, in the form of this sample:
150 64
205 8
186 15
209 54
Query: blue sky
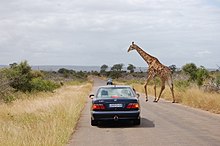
97 32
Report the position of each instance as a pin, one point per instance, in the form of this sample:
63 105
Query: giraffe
155 68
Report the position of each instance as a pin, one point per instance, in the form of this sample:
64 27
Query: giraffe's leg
170 83
162 88
145 86
155 90
172 91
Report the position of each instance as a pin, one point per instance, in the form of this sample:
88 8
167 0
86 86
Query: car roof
110 86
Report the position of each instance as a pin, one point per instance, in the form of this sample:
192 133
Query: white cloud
81 31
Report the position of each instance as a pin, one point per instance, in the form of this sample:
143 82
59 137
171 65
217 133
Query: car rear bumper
115 115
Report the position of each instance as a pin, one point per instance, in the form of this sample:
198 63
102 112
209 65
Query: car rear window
111 92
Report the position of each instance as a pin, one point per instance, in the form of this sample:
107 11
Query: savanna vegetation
43 118
194 86
42 108
20 79
39 107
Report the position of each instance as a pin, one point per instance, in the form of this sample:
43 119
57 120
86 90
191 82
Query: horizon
96 66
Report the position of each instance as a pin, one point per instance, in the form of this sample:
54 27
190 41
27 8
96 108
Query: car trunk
116 104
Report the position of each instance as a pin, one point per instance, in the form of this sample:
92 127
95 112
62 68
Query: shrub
181 85
115 74
19 76
201 75
8 98
22 78
196 74
190 69
38 84
217 81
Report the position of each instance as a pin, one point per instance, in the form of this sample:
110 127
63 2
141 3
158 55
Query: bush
217 81
201 75
181 85
8 98
190 69
115 74
38 84
19 76
22 78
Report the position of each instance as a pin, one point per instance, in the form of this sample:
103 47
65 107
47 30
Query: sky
97 32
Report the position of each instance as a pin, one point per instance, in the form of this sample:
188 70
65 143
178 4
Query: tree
103 70
104 67
196 74
190 69
173 68
13 65
63 71
201 75
131 68
117 67
20 76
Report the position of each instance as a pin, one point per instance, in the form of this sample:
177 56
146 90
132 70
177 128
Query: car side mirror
91 96
138 95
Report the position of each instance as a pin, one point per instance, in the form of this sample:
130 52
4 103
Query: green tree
65 71
190 69
201 75
173 68
131 68
13 65
20 76
103 70
117 67
104 67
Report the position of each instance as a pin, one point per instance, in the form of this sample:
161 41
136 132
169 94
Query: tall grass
46 120
192 96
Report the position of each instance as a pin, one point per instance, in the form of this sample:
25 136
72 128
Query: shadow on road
145 123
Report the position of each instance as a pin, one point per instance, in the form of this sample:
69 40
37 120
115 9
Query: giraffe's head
132 47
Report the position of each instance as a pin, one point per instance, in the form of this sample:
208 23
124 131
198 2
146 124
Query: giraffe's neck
147 57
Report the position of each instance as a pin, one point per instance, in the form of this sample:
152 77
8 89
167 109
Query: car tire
94 122
137 122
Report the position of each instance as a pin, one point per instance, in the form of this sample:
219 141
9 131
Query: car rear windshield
115 92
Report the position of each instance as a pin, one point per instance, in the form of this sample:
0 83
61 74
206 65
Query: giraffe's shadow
145 123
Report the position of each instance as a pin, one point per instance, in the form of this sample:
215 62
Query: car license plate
115 105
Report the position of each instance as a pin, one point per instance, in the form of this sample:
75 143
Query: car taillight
133 106
98 107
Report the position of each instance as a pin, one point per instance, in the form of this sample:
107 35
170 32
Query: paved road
162 124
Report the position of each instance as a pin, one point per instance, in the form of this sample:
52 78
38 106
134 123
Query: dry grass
46 120
193 97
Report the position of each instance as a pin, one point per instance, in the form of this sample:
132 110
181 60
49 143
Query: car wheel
137 122
94 122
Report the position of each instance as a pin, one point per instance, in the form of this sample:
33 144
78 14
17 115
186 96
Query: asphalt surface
162 124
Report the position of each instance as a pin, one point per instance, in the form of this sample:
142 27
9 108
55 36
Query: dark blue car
115 103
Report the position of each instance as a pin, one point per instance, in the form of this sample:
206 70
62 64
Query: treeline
184 76
21 78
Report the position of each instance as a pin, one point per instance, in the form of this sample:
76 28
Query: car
115 103
109 81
